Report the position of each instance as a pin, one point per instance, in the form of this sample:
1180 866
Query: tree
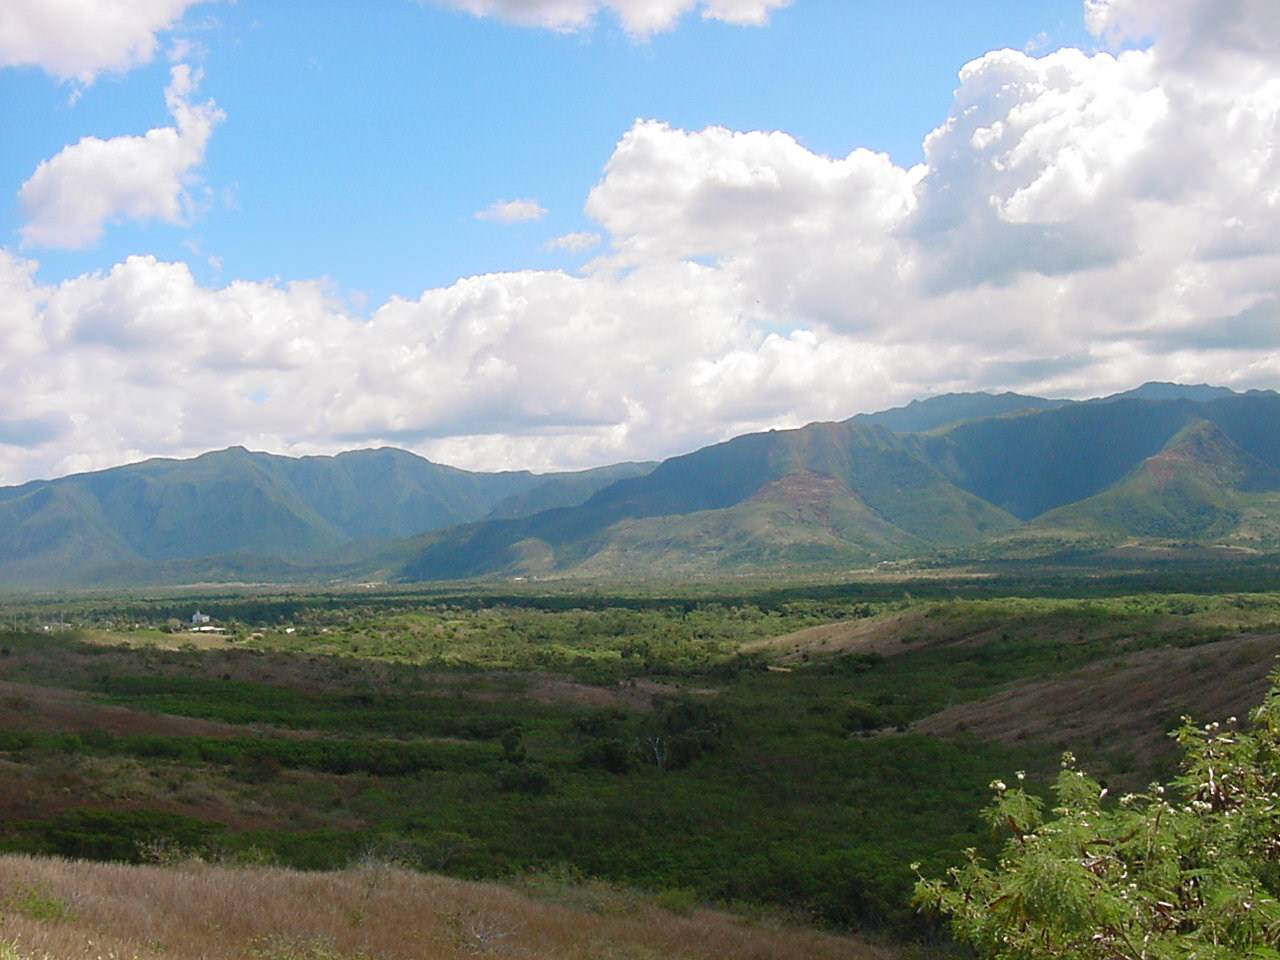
1185 870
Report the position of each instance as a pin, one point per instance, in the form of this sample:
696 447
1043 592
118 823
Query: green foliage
861 717
820 496
1188 870
10 950
678 900
611 754
764 796
122 835
36 903
528 778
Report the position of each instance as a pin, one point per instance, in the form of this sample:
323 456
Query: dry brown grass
45 786
1067 622
1128 702
888 634
82 911
25 706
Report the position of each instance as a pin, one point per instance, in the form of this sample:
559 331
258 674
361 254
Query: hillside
470 735
565 489
920 416
802 521
192 911
841 494
1031 464
1202 488
742 502
989 475
233 511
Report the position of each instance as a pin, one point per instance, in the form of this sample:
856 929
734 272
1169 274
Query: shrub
37 903
860 716
611 755
1191 869
528 778
678 900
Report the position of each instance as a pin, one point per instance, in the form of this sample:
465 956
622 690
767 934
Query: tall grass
374 912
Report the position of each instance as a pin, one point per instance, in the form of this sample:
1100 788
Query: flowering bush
1190 870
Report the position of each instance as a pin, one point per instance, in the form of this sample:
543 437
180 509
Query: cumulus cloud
573 242
512 211
640 18
1190 31
70 197
79 39
800 228
1082 222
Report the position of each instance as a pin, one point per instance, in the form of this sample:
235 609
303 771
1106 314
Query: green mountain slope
929 414
962 471
802 521
1032 463
230 511
1201 488
566 489
901 501
949 409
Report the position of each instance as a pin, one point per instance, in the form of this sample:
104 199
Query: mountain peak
1168 390
1202 448
930 413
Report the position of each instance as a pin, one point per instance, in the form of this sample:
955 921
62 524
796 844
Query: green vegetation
971 477
701 746
35 903
823 495
1187 870
1201 488
233 513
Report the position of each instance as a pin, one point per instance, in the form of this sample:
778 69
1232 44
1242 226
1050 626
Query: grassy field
769 753
57 910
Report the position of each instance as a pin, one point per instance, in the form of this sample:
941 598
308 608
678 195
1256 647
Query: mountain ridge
963 471
239 503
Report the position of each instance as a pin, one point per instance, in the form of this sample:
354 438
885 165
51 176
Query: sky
552 234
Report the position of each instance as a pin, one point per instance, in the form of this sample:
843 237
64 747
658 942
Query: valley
783 753
747 695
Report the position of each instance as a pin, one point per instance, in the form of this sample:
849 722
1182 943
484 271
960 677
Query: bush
1191 869
611 755
678 900
528 778
860 717
37 903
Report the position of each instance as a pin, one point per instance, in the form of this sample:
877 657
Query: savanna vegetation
786 753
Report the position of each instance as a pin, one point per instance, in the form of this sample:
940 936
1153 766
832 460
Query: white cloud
1083 222
799 228
70 197
640 18
752 12
512 211
573 242
1191 31
79 39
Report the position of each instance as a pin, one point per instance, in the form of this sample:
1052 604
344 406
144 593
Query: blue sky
551 234
360 139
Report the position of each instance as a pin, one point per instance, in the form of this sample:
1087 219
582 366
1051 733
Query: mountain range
996 475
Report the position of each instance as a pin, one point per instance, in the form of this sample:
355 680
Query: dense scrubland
784 753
